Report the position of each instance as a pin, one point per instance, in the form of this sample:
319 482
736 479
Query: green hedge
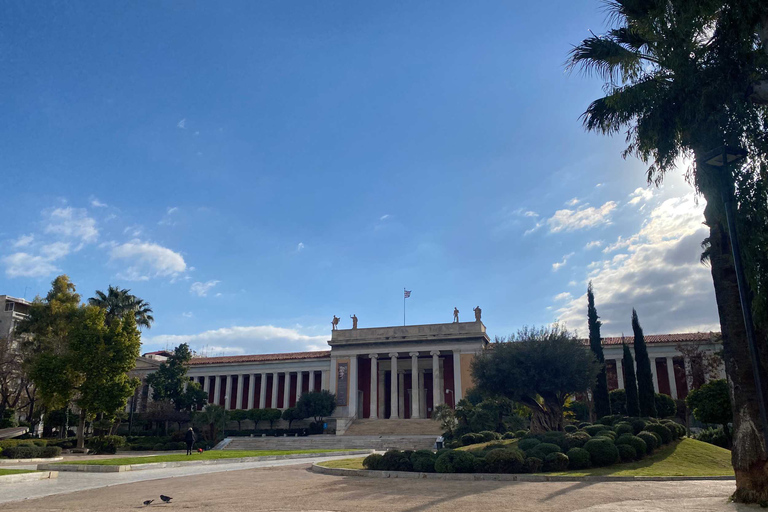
578 458
503 460
661 430
105 444
454 461
31 452
602 451
651 440
627 452
423 461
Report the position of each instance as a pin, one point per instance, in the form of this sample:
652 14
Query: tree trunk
749 459
546 418
81 430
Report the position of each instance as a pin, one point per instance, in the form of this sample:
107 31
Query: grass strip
4 472
179 457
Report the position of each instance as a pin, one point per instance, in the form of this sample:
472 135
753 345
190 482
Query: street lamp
721 157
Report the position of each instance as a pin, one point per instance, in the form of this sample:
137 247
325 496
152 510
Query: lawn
178 457
356 463
4 472
480 446
684 458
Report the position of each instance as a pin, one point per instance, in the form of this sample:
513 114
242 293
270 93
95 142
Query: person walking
190 438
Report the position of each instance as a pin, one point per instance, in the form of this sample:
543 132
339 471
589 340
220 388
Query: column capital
413 354
434 353
393 354
373 356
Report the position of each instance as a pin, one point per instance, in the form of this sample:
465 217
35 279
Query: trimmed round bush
395 460
623 428
556 461
578 458
528 443
570 429
21 452
547 448
373 462
508 435
639 446
577 439
505 461
649 439
627 452
521 433
638 426
423 461
584 424
623 439
533 464
592 430
455 461
481 466
664 432
602 452
609 420
674 428
487 435
47 452
606 433
472 438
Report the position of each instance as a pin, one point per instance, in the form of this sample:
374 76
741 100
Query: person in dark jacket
190 438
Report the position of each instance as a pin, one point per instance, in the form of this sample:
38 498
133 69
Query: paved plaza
290 486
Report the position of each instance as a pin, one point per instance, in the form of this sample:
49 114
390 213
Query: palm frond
606 58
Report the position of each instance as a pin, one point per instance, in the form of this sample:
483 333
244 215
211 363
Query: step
393 427
376 442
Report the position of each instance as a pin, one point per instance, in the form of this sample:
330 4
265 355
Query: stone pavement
292 487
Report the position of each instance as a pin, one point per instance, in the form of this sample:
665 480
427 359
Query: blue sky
252 169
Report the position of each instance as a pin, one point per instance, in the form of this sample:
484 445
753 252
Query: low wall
28 477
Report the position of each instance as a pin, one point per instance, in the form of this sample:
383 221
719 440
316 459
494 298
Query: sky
253 168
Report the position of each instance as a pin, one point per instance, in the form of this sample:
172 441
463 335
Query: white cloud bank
202 289
582 218
657 272
146 260
255 339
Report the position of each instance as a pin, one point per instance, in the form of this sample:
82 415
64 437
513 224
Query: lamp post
721 157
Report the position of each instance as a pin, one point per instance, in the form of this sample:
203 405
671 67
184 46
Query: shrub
533 464
106 444
558 438
584 424
661 430
626 452
373 462
607 433
623 439
528 443
423 461
487 435
395 460
505 461
602 452
578 458
677 429
47 452
623 428
521 433
556 461
547 448
649 439
481 466
570 429
638 426
714 436
592 430
609 420
508 435
455 461
21 452
639 446
665 406
577 439
472 438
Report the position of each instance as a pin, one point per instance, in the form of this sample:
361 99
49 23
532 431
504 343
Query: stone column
275 383
374 386
333 376
216 388
263 391
401 395
382 393
422 396
415 396
436 391
299 384
671 377
653 375
393 385
457 391
240 388
287 390
206 385
619 373
325 382
228 393
251 391
352 407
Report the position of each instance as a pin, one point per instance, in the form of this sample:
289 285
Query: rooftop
260 358
426 332
682 337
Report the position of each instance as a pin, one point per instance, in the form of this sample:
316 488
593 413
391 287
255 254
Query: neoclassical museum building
400 372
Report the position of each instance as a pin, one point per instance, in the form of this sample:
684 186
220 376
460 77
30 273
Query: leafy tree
645 390
711 404
119 302
446 415
292 414
193 398
539 368
271 415
317 404
618 399
683 77
255 415
169 380
238 415
630 383
665 405
600 389
210 418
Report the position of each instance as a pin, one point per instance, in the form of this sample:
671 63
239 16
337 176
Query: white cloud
96 203
55 251
593 244
535 228
573 202
23 241
640 195
556 266
21 264
385 216
146 260
72 223
563 296
300 247
182 124
168 218
133 231
572 283
187 314
658 273
202 289
583 218
255 339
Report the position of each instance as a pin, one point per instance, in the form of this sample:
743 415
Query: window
9 306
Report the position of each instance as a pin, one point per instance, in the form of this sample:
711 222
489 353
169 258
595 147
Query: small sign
325 426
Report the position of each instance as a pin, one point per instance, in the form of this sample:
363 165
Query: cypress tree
630 383
645 393
600 391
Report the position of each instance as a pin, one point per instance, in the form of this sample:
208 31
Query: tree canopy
600 389
539 368
170 382
120 302
711 404
316 404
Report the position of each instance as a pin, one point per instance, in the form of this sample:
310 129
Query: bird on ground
147 502
165 498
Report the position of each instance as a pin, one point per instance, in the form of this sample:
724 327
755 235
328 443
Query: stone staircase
363 427
346 442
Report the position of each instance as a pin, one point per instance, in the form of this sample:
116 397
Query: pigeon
147 502
165 498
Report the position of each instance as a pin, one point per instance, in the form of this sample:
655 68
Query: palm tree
119 302
683 77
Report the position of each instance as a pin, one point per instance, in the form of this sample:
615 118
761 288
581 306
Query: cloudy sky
255 168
